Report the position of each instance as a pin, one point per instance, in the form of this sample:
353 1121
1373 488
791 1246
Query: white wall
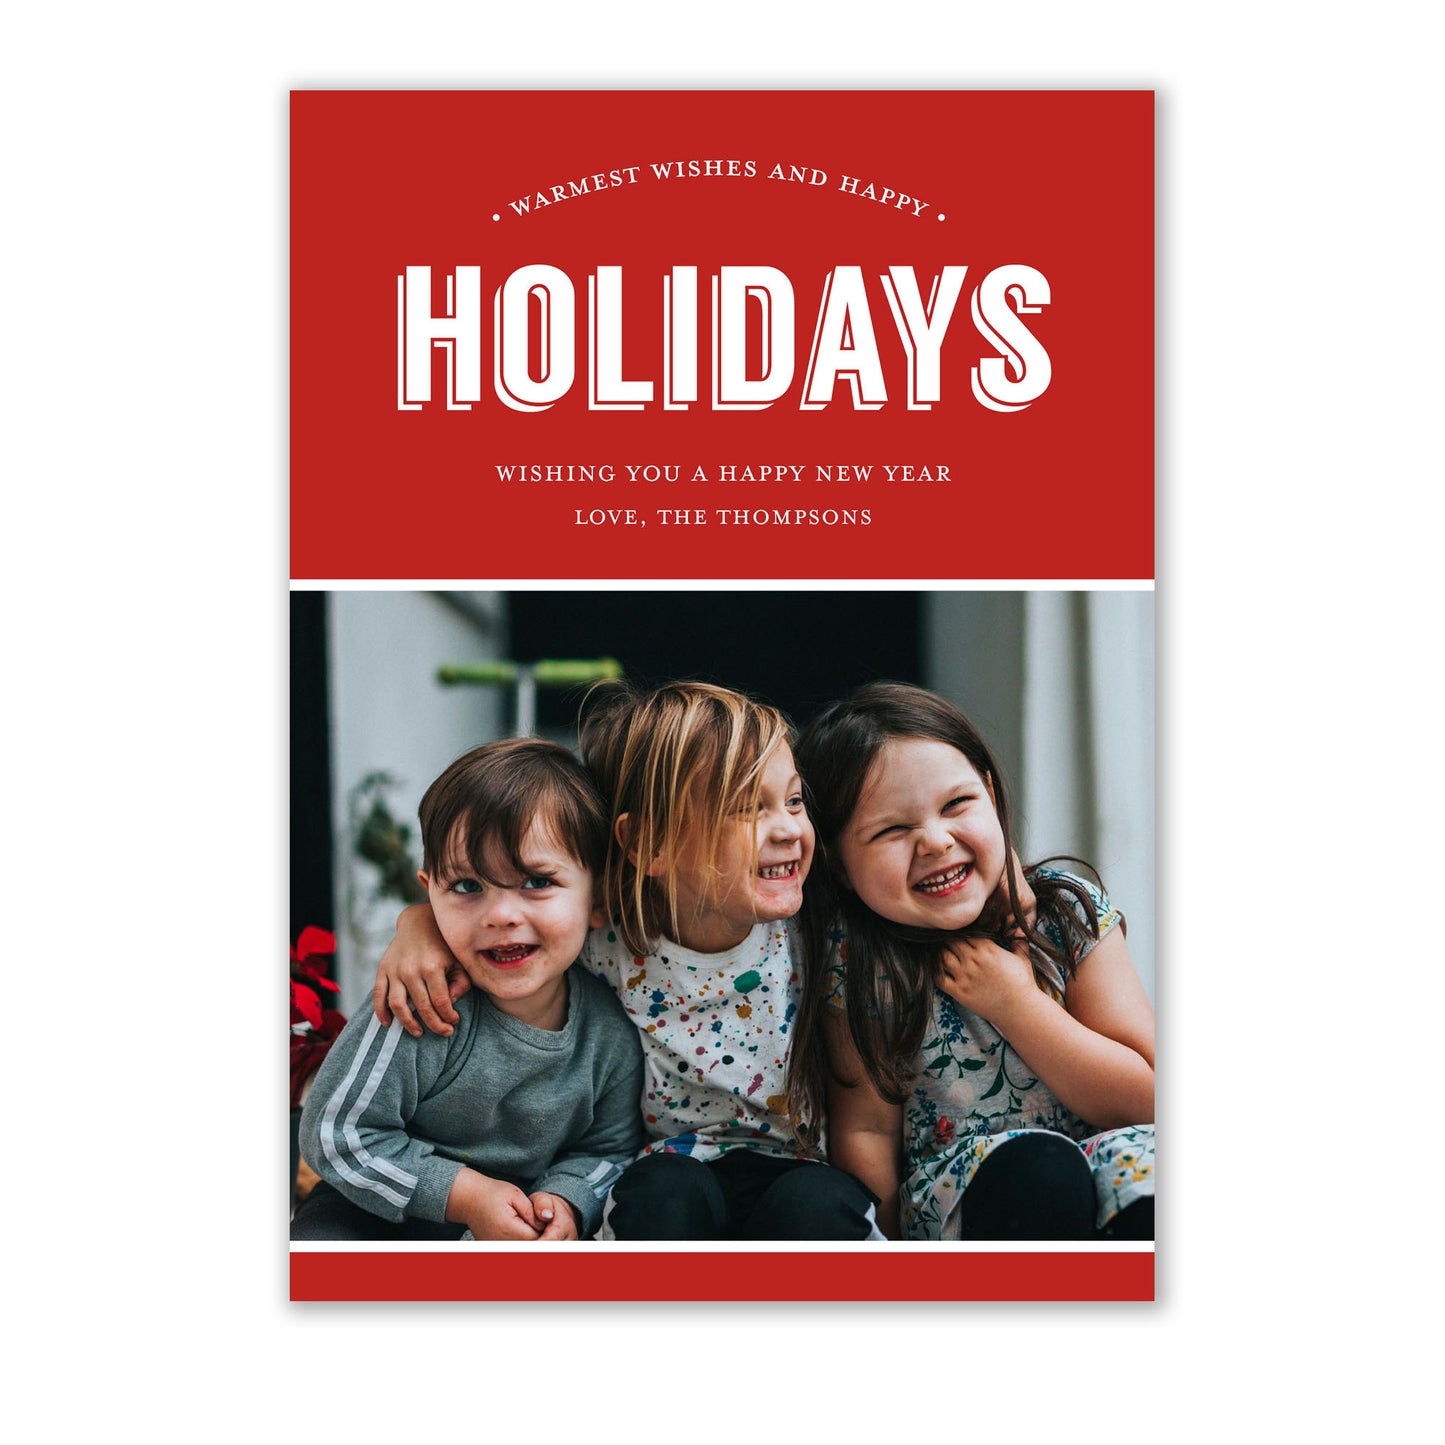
389 712
1062 686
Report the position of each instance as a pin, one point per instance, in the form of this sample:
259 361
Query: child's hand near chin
986 978
557 1214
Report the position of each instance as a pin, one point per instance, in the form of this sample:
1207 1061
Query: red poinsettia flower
305 1005
314 941
943 1132
313 1027
310 956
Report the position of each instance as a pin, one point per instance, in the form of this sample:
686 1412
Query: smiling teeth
778 870
512 954
943 880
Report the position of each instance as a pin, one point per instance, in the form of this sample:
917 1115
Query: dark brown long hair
891 968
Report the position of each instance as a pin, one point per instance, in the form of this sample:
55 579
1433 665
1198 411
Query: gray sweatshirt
391 1119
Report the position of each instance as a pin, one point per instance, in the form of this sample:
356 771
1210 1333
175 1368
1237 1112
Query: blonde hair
678 761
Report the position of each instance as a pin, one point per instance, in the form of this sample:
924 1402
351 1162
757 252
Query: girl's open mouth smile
950 880
780 870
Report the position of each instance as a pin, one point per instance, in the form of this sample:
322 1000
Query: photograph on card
722 917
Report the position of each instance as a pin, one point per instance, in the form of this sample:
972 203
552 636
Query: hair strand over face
677 762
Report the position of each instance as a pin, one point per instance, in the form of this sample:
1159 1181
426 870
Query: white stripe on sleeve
352 1140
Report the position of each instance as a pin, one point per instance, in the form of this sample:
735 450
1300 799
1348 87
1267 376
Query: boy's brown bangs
490 799
490 830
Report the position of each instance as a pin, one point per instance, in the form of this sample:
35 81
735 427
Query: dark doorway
797 650
312 900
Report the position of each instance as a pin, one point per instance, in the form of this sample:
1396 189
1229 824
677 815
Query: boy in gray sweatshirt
517 1124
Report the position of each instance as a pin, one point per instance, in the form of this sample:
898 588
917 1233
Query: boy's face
517 941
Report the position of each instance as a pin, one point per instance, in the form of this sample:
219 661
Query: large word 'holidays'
535 342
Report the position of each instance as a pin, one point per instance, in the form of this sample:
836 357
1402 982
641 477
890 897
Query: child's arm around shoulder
418 968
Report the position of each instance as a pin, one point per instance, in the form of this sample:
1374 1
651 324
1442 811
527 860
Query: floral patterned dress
972 1091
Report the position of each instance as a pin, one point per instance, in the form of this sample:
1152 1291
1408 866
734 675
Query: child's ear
992 797
622 831
423 880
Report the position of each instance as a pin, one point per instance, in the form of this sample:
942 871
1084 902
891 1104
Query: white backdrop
1061 684
389 713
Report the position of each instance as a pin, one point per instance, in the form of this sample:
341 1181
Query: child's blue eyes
536 883
792 804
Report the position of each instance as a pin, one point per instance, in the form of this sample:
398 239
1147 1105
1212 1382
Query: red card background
610 1274
1061 181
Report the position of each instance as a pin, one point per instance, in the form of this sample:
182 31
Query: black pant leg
667 1196
798 1199
1036 1186
1134 1221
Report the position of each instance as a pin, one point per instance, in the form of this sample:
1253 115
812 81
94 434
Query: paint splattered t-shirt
715 1029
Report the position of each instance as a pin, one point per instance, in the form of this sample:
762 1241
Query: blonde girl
980 1033
710 844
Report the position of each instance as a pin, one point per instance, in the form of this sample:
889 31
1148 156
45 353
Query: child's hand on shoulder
491 1208
417 971
986 978
557 1214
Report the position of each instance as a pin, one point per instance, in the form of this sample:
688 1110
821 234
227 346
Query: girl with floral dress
984 1043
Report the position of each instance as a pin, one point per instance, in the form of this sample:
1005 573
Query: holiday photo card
722 696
